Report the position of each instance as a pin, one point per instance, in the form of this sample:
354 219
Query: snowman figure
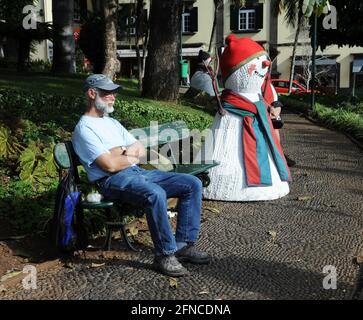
252 163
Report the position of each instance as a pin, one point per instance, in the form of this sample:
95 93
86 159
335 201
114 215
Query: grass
71 86
62 85
42 83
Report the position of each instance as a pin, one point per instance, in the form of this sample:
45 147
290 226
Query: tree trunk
96 6
64 60
292 68
140 19
23 54
112 64
144 50
162 72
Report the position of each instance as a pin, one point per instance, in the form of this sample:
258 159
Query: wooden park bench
153 138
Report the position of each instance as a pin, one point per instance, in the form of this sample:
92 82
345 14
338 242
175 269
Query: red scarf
257 129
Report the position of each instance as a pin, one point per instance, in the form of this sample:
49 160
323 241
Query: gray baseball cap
100 81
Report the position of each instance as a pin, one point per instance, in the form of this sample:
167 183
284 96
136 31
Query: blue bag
69 231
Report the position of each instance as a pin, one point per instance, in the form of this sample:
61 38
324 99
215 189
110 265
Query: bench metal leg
107 245
126 238
204 177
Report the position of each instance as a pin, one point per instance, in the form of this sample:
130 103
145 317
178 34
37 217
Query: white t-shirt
95 136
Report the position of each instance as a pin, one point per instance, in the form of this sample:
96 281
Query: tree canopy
349 25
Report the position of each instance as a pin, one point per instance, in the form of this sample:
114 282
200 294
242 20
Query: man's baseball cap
100 81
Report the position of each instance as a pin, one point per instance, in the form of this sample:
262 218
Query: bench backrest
161 134
65 156
149 136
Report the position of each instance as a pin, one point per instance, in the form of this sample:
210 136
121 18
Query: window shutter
144 23
194 19
123 15
234 18
145 16
84 12
259 16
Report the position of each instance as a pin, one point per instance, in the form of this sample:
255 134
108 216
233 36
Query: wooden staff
212 74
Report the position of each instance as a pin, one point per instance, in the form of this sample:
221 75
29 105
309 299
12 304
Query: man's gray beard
103 106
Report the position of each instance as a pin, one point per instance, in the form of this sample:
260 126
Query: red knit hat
238 52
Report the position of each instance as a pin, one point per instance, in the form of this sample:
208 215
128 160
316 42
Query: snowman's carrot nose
266 64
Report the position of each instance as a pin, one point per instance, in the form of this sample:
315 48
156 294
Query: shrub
39 65
54 112
26 209
136 114
344 116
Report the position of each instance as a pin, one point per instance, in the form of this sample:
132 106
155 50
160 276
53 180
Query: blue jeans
150 189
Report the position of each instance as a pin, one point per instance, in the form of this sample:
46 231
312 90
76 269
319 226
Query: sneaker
191 254
289 161
170 266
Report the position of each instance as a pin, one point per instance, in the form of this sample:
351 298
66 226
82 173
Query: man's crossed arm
118 159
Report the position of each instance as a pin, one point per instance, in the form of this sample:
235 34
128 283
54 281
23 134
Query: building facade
335 65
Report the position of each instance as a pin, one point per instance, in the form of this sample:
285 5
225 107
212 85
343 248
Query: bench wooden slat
97 205
161 134
194 169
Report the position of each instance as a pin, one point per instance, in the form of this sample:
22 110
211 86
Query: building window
77 11
247 20
130 23
186 22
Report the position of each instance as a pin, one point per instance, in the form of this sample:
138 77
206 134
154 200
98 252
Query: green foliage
8 144
341 119
28 210
341 101
290 8
40 66
55 115
41 83
135 114
342 115
314 6
41 108
37 166
349 29
12 11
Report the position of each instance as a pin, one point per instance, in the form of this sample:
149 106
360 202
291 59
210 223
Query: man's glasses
104 93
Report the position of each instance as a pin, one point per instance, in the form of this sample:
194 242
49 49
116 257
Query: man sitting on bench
110 156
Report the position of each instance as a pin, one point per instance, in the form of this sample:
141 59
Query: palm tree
295 18
64 60
142 33
296 14
11 26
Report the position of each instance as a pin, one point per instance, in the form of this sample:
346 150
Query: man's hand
115 161
136 150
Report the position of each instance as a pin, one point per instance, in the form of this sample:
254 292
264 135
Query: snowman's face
250 77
